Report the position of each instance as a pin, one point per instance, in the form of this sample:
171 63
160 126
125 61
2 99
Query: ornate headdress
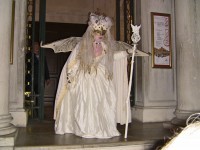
99 22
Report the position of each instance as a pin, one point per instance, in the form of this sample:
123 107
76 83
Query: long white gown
85 102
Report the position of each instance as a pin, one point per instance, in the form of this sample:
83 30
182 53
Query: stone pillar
17 69
5 37
187 16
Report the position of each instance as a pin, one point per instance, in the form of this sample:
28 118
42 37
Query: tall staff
135 39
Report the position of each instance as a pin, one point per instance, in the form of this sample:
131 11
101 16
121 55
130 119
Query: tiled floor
41 134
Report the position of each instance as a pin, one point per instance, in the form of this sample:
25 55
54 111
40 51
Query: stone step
137 145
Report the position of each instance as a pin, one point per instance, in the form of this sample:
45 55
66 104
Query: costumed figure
86 101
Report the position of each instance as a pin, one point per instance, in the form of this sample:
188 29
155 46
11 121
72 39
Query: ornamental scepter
135 39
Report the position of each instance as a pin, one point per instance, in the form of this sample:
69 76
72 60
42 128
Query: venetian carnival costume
86 102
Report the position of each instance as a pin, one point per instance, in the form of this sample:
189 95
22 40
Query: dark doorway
55 62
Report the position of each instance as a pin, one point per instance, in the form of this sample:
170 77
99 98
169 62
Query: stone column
187 16
5 37
17 69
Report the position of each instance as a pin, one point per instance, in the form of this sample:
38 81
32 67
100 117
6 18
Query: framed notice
161 40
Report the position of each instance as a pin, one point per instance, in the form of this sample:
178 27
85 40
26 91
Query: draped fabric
120 78
86 101
92 91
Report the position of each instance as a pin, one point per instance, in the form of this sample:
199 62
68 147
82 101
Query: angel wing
68 44
65 45
121 46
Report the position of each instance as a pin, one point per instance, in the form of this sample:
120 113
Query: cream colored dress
85 102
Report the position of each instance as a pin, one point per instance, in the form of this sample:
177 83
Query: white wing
141 53
65 45
123 46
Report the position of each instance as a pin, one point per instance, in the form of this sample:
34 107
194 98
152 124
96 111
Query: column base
183 114
153 114
178 122
5 126
181 117
7 142
20 117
